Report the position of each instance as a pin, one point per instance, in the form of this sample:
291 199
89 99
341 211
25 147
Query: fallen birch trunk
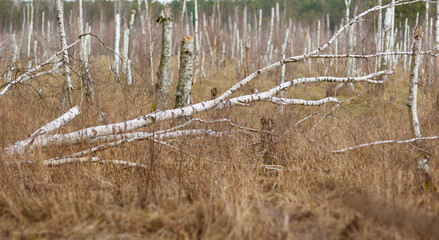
160 116
68 160
20 146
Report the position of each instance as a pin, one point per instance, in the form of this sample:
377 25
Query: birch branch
27 75
20 146
286 101
374 55
131 137
343 150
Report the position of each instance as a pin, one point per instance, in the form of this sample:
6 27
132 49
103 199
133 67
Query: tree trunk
423 157
68 87
86 80
116 39
164 80
184 87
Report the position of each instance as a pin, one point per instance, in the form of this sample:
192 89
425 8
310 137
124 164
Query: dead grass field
223 191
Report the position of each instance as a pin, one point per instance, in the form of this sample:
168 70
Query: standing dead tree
164 72
183 95
116 63
423 157
68 87
127 45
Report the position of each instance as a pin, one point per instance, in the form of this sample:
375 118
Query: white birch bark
406 34
126 33
31 27
427 20
412 101
197 40
68 87
151 44
42 24
414 79
282 76
20 146
35 52
244 21
412 140
116 45
270 35
183 95
222 61
163 74
207 37
318 32
219 103
235 33
350 46
392 35
259 33
86 79
436 44
385 61
14 59
130 32
379 35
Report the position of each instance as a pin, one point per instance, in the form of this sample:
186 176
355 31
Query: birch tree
116 39
385 61
163 74
126 66
350 45
422 158
15 56
183 94
436 47
86 79
68 87
31 29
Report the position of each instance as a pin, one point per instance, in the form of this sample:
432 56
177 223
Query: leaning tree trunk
183 94
163 74
423 156
68 87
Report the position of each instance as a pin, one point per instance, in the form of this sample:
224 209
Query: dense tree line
307 11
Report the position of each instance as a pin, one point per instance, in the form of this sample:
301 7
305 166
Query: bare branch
343 150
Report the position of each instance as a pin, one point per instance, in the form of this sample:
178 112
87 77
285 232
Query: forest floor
219 187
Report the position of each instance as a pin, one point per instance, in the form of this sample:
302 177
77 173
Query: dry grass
224 192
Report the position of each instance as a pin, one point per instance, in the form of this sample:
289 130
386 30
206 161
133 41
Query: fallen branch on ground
385 142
